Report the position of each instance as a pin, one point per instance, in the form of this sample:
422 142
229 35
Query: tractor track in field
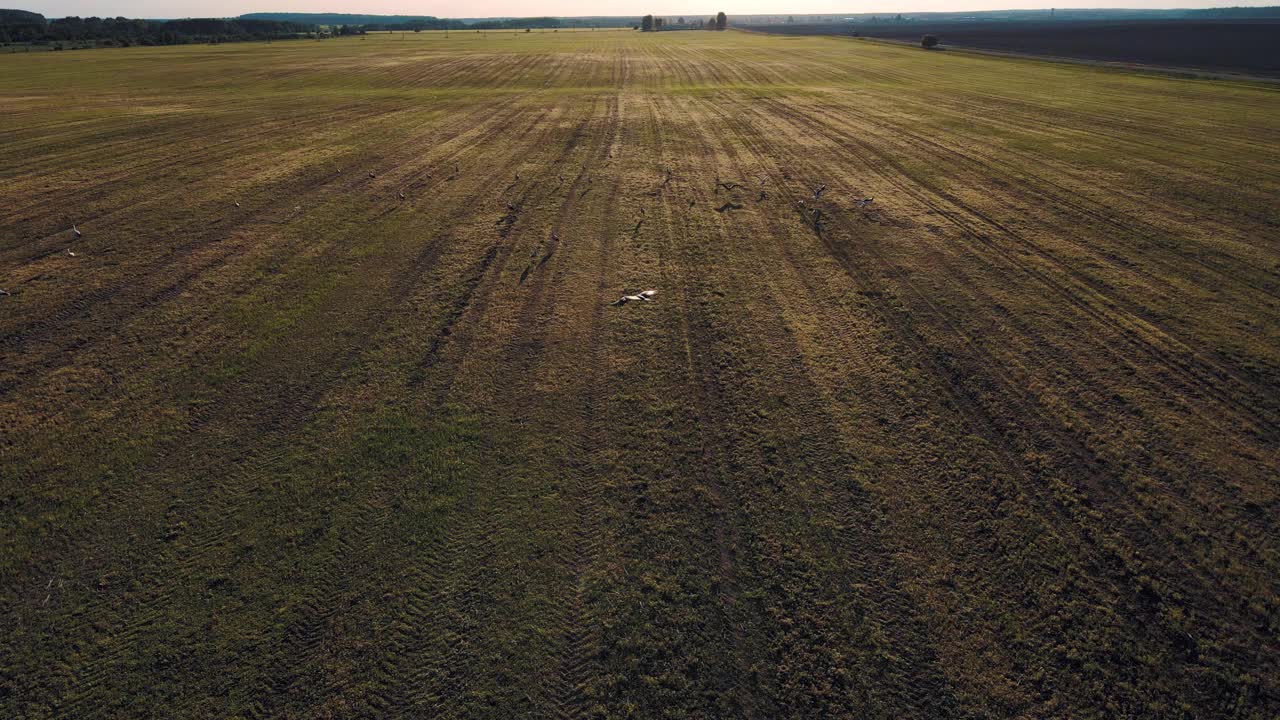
279 414
208 153
578 663
431 250
1070 440
1116 130
276 417
1139 316
451 588
1201 384
442 680
973 414
870 289
20 340
862 147
854 520
858 532
113 139
697 338
1228 487
1056 195
887 267
1121 326
981 420
1059 195
631 557
721 509
153 171
578 414
453 335
262 214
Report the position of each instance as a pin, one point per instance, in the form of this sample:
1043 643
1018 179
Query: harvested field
329 415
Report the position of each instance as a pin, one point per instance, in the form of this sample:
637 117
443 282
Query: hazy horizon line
573 9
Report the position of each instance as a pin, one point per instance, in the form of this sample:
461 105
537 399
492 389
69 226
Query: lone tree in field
929 42
646 24
721 21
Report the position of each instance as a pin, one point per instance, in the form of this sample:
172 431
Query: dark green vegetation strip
326 414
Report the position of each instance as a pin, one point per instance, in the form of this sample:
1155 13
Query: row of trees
420 24
651 24
430 22
514 24
25 27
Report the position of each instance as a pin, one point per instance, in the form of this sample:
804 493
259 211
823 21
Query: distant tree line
517 24
425 22
27 27
650 23
428 22
416 25
444 24
895 20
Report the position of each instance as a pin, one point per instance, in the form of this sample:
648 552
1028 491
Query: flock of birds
647 295
74 231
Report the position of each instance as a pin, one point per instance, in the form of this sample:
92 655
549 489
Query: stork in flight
865 202
645 296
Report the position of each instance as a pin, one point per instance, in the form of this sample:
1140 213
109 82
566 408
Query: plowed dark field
1238 46
326 412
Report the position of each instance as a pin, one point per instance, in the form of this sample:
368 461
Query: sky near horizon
564 8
